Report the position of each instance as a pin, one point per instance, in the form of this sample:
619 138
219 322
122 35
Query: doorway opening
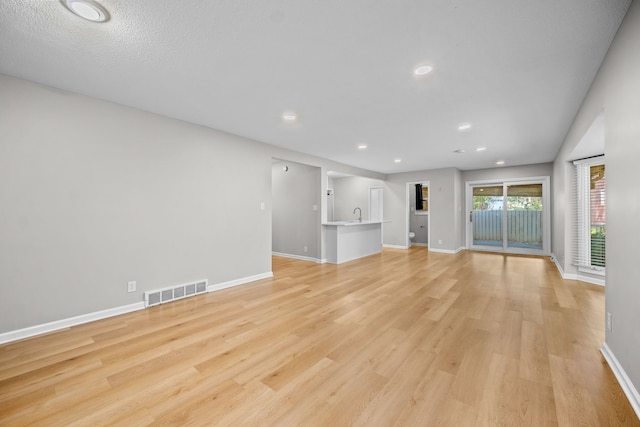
418 230
295 216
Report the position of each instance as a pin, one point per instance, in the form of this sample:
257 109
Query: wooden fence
522 226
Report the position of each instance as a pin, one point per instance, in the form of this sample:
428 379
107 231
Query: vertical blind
590 213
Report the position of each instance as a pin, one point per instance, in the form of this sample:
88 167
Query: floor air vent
161 296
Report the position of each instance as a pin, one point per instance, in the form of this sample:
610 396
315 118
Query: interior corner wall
296 225
616 90
95 195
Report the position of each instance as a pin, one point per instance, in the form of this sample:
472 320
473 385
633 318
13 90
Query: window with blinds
591 215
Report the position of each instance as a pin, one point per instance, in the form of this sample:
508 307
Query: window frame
583 214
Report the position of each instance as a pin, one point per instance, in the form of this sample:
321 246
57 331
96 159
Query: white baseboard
103 314
395 246
461 248
237 282
67 323
581 277
565 276
447 251
625 383
554 259
300 257
593 280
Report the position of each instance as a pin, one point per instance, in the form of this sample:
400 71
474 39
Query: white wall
94 194
351 192
296 225
511 172
616 90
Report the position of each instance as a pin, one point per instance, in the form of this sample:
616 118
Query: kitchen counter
349 240
349 223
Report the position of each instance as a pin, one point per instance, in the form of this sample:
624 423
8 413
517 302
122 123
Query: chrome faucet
360 217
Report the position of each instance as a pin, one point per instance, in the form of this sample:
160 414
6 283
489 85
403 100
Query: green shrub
598 246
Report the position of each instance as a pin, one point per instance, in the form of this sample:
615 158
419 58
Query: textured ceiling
516 69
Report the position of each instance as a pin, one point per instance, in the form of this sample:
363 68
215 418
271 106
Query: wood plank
534 357
405 337
574 405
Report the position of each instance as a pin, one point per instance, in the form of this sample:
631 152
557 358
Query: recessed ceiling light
500 162
362 146
464 126
87 9
397 160
289 116
481 148
460 151
423 70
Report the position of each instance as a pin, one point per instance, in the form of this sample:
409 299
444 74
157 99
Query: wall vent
161 296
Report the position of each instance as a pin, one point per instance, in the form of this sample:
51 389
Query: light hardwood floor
404 338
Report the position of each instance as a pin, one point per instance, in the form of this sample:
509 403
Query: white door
375 207
375 204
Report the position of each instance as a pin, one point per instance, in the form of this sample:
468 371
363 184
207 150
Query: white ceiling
516 69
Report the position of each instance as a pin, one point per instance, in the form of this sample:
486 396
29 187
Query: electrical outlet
439 242
305 249
609 324
131 286
261 206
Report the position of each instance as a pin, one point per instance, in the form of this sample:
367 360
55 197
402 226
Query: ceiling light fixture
423 70
397 160
460 151
481 148
87 9
464 126
362 146
289 117
500 162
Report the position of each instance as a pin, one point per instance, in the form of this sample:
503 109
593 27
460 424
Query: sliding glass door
509 216
524 216
486 216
